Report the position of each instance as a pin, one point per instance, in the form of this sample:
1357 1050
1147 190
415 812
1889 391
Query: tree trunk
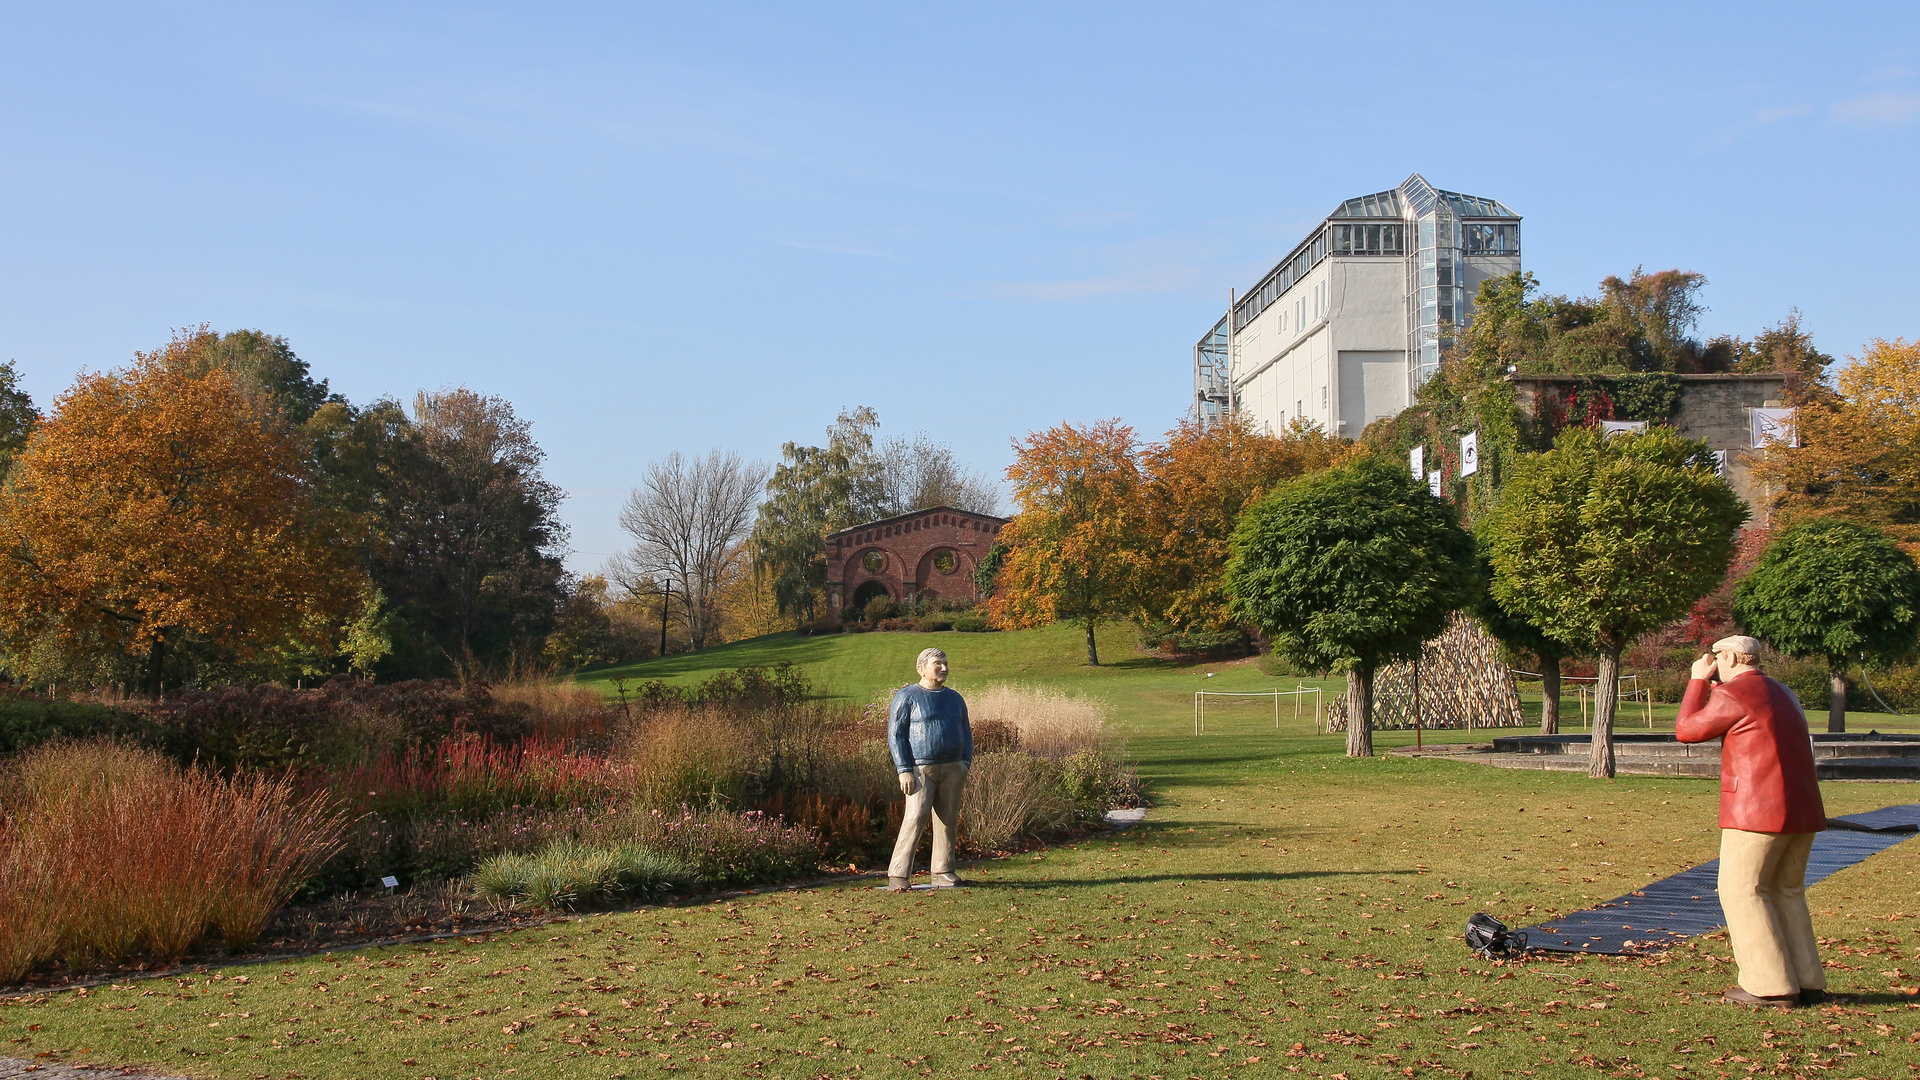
1837 694
1093 651
1549 695
156 659
1606 699
1359 711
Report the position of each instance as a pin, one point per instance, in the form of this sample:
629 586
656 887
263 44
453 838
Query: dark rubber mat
1685 904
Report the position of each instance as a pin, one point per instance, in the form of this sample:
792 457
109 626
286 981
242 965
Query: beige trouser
938 796
1763 891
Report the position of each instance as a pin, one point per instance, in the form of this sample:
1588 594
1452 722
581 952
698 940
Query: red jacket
1767 779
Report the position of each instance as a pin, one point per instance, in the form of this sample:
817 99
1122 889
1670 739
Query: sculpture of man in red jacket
1769 811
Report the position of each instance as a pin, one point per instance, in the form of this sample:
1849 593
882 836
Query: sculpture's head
933 667
1736 655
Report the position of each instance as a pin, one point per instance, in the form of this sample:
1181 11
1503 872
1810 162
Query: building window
944 561
1369 239
1478 239
874 560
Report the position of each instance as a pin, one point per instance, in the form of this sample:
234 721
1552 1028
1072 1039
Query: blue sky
659 227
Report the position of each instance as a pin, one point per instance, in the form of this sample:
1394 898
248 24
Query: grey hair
1745 650
928 654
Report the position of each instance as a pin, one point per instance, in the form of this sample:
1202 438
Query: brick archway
904 555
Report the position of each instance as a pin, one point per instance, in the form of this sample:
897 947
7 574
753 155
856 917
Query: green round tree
1516 633
1357 565
1836 590
1602 539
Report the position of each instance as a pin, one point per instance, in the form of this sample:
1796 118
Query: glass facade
1437 296
1212 375
1479 239
1370 239
1281 278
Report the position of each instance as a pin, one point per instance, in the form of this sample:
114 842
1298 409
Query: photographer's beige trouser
938 796
1763 891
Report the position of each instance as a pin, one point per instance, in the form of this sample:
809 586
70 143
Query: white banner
1417 461
1469 453
1608 427
1720 462
1771 426
1433 482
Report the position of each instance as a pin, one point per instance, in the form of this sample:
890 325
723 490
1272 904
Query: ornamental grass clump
1050 723
725 848
1009 797
570 874
114 853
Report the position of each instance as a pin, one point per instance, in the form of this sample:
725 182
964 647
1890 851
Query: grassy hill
856 667
1147 692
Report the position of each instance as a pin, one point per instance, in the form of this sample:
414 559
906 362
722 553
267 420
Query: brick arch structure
905 555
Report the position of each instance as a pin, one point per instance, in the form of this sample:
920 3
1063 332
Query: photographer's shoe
899 884
1810 998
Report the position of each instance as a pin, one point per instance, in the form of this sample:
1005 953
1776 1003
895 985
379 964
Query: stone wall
1712 407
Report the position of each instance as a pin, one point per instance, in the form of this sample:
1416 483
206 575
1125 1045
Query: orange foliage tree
1196 485
161 504
1072 550
1860 458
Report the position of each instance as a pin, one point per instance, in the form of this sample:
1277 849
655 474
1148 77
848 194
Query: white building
1345 329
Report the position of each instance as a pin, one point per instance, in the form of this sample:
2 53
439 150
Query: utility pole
665 598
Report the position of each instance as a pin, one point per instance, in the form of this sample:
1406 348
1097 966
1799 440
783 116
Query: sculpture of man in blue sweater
932 745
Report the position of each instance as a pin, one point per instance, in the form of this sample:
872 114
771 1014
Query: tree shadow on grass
1880 998
1187 879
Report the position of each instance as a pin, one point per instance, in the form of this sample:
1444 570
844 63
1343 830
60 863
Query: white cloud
1880 108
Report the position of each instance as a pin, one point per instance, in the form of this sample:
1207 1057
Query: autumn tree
263 365
1194 488
1603 539
1836 590
1072 548
1355 566
158 504
1785 348
1859 457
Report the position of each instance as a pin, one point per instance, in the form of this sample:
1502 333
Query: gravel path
16 1069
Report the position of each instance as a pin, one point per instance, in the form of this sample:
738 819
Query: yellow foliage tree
1196 485
165 502
1074 547
1860 454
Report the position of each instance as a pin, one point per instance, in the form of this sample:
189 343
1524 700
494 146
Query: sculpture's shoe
1737 996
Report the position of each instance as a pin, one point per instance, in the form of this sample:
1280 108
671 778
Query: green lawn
1284 911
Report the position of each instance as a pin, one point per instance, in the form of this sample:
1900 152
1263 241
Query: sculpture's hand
1705 667
909 783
